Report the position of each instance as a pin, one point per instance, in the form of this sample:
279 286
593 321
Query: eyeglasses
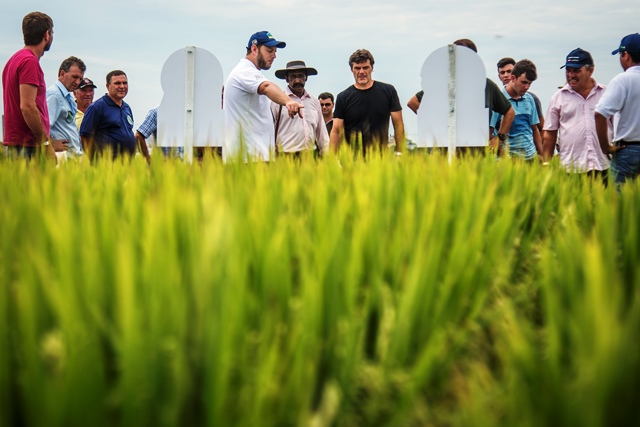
328 104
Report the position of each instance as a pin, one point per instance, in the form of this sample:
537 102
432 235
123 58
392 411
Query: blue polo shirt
520 134
110 125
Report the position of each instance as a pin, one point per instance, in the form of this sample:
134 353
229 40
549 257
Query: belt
623 142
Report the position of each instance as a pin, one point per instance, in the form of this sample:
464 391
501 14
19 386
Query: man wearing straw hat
292 134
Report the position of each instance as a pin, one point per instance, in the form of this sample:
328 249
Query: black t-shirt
367 112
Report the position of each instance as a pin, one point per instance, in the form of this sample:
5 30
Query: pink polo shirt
573 117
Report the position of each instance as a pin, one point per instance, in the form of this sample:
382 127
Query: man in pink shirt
26 121
570 120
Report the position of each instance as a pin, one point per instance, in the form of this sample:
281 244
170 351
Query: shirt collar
110 101
598 86
288 91
62 89
506 93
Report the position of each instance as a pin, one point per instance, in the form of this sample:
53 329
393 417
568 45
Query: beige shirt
296 134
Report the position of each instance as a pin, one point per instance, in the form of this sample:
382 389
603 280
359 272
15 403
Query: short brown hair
326 95
360 56
34 26
69 62
115 73
506 61
525 67
466 43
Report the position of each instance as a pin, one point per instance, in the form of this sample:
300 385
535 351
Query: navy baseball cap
86 83
578 58
630 43
265 38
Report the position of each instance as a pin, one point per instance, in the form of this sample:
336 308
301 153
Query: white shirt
622 98
296 134
248 120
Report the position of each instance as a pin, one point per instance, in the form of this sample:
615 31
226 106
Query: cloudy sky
137 36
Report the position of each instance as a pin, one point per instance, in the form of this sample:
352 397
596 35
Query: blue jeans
14 152
625 164
169 152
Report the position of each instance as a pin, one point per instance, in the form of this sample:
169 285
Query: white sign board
190 114
452 112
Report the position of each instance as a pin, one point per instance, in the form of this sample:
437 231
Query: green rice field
391 292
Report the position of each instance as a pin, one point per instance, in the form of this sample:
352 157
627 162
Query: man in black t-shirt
363 110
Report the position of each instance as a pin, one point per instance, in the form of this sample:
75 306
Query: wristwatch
502 137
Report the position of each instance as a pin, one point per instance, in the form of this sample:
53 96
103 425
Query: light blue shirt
521 142
62 114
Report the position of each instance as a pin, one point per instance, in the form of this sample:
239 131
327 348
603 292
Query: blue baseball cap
630 43
578 58
265 38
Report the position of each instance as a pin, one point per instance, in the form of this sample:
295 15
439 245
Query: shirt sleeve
88 126
322 135
552 119
150 124
613 99
251 80
535 119
495 118
338 112
497 102
53 105
538 105
395 100
29 72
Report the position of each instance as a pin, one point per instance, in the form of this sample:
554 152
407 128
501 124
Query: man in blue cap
249 123
623 98
567 124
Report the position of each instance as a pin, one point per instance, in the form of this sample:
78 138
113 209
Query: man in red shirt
26 118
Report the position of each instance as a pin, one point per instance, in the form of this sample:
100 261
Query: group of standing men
581 116
260 118
263 120
63 118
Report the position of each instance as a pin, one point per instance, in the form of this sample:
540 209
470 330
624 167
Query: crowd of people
592 127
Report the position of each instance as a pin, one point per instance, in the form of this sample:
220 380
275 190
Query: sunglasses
328 104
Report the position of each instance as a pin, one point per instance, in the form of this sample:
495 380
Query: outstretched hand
294 108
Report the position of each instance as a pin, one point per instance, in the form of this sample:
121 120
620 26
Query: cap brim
573 66
615 52
276 43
